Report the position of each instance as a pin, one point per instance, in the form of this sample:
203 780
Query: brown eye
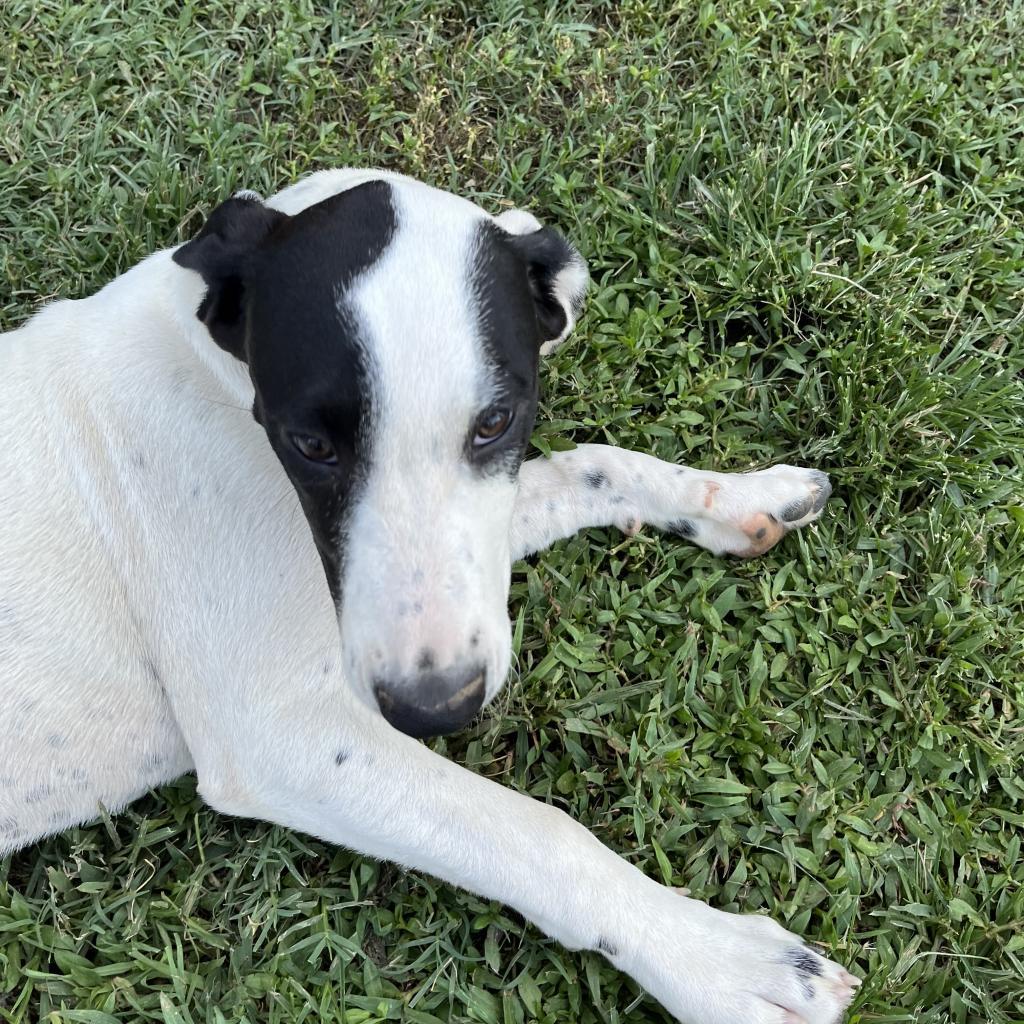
491 424
316 449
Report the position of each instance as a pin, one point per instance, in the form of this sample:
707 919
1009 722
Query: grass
805 222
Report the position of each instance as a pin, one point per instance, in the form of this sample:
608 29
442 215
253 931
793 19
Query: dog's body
162 597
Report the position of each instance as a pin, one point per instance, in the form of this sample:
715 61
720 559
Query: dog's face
392 334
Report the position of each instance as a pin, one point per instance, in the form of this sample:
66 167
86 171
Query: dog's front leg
599 485
351 779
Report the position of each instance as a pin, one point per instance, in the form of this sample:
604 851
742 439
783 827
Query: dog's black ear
558 275
220 253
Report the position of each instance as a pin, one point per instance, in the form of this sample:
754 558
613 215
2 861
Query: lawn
805 225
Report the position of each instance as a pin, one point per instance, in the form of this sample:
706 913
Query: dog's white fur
163 609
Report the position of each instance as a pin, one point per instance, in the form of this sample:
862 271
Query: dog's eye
316 449
491 424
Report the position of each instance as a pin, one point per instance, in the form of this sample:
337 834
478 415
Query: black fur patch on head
306 358
220 254
683 528
506 318
545 253
276 299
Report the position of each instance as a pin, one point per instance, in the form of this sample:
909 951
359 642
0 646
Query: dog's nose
432 703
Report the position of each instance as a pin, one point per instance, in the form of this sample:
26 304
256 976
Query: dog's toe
811 503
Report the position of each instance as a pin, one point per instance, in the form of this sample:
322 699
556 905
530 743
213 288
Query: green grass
805 223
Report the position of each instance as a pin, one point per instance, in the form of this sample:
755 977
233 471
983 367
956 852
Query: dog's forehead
328 245
422 284
399 278
447 297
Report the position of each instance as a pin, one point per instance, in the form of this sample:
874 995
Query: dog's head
392 334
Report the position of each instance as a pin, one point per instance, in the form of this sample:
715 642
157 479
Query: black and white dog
162 598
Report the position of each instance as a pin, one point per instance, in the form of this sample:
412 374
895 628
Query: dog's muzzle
434 703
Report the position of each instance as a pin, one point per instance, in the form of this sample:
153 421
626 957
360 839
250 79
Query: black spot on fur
474 640
683 528
595 478
340 758
805 962
606 947
807 967
426 661
618 499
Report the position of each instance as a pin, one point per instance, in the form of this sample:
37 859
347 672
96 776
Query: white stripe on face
425 585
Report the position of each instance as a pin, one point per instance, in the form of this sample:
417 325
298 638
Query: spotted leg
599 485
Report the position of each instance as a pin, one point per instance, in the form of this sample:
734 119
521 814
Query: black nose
432 703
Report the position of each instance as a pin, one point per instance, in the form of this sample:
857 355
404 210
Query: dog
163 606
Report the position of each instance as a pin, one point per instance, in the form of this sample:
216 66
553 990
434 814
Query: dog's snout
432 703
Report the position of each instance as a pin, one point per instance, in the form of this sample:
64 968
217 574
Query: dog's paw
790 498
711 967
745 514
